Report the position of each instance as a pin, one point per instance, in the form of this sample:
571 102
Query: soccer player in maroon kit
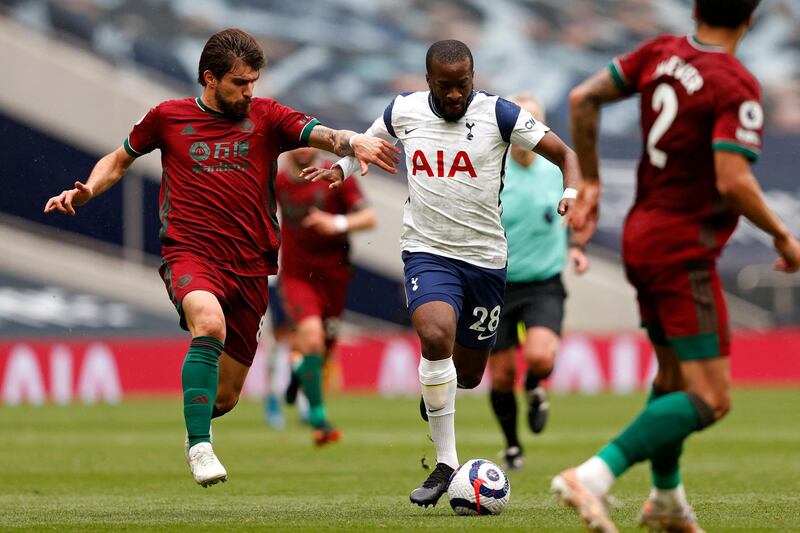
702 123
219 229
315 269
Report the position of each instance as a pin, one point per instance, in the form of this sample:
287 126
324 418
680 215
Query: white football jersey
455 172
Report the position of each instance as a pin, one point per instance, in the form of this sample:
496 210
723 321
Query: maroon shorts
303 298
683 306
244 299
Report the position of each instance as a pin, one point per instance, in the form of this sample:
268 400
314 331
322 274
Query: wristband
341 164
569 193
341 224
352 138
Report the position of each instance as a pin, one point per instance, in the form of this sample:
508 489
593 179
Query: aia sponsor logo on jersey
460 163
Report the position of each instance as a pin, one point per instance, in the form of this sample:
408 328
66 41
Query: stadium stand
366 51
124 55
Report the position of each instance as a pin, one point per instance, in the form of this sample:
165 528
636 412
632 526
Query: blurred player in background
702 123
278 333
219 231
315 270
454 247
533 309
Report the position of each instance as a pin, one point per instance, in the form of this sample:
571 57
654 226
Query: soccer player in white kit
454 249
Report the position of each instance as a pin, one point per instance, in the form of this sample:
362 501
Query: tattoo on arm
342 142
336 141
585 123
585 103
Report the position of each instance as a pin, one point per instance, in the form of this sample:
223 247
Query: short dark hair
224 49
447 53
725 13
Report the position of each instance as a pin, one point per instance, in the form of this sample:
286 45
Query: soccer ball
479 487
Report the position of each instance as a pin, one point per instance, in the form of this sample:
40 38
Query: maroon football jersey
217 186
305 253
695 99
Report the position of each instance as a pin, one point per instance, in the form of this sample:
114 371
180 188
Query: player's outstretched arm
329 224
108 170
740 189
585 102
361 219
557 152
367 149
333 175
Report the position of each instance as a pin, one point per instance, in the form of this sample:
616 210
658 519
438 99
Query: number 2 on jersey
666 101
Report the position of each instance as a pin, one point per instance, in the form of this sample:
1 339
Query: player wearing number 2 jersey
702 124
456 142
696 99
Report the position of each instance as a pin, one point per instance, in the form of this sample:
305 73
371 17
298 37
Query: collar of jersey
207 109
436 111
702 46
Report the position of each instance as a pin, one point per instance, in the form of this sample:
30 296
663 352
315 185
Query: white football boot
186 443
206 468
591 509
662 515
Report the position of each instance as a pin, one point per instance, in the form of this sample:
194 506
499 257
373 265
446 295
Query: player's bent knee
710 408
209 325
503 381
311 346
722 406
469 382
311 336
540 363
435 340
225 403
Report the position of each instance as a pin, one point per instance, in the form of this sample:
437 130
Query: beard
233 109
446 110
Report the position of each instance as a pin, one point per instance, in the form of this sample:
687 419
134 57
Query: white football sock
279 368
438 381
596 476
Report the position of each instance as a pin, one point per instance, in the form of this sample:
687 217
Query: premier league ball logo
479 487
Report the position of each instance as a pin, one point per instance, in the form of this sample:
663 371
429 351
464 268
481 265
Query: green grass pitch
112 468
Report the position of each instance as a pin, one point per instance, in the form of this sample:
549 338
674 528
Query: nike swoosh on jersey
482 338
410 130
